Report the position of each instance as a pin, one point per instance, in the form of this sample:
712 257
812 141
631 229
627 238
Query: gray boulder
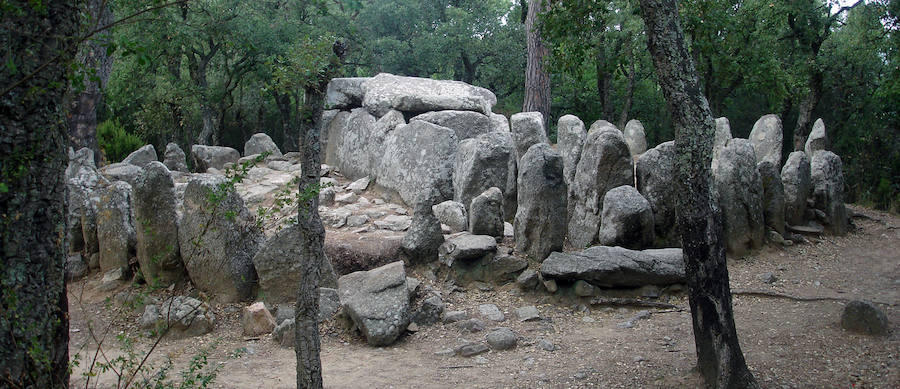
412 94
175 158
218 239
377 301
184 316
332 137
817 139
605 164
453 214
466 124
773 196
354 160
205 157
501 123
260 143
723 133
827 180
279 266
655 179
484 162
344 93
570 135
82 180
383 126
115 227
740 196
123 172
766 138
418 157
324 124
75 267
486 213
156 228
429 311
467 248
501 339
329 303
635 138
616 266
864 317
539 226
362 251
797 183
142 156
527 130
424 236
626 220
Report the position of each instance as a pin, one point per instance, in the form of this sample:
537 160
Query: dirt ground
787 343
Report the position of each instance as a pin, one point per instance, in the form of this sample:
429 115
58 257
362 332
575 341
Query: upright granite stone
156 228
175 158
540 227
261 143
354 160
766 138
412 94
527 130
82 179
484 162
142 156
219 238
466 124
453 214
333 136
424 237
616 266
723 133
377 301
605 164
626 220
344 93
205 157
797 182
501 123
817 139
655 180
123 172
417 157
635 138
115 227
279 264
773 196
740 194
571 135
486 213
828 189
383 126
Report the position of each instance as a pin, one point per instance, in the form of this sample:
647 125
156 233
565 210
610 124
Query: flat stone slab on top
616 266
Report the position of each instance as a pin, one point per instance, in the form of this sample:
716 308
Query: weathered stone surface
466 124
453 214
283 334
260 143
655 180
501 123
353 151
528 279
583 288
827 179
491 312
175 158
123 172
417 157
359 185
354 253
279 264
723 133
616 266
528 313
82 179
450 317
115 227
156 228
773 196
76 267
377 301
797 182
205 157
394 223
635 138
501 339
185 317
332 137
570 136
142 156
424 236
527 130
864 317
740 196
429 312
626 220
542 196
605 164
817 140
472 349
412 94
486 213
467 247
219 239
329 303
504 268
257 320
344 93
484 162
766 138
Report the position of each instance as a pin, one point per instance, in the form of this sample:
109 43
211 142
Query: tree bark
537 80
629 96
82 116
39 41
807 106
719 356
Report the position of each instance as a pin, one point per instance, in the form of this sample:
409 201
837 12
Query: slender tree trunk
537 80
34 326
805 111
629 96
719 356
604 87
207 133
82 115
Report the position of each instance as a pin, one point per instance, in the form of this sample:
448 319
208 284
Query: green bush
115 142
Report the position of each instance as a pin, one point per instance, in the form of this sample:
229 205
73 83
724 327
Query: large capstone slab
413 94
616 266
377 301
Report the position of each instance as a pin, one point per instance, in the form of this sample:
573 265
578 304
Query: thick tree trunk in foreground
82 116
719 355
537 80
34 327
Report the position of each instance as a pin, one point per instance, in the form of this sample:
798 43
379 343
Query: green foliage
115 142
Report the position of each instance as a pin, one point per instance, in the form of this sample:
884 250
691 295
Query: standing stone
424 237
175 159
333 134
219 238
797 182
413 94
655 179
417 157
740 195
635 138
354 160
383 126
156 228
115 228
344 93
453 214
82 179
627 219
766 138
571 134
205 157
723 133
466 124
527 130
817 139
257 320
773 196
279 265
605 164
123 172
484 162
327 117
828 189
540 227
260 143
142 156
377 301
486 213
501 123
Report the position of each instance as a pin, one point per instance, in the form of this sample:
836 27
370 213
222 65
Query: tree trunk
537 80
289 131
804 114
604 86
629 96
207 133
719 356
34 327
82 116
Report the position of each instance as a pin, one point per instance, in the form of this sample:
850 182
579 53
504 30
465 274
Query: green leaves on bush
115 142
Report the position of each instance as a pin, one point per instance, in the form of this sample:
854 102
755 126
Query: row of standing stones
466 173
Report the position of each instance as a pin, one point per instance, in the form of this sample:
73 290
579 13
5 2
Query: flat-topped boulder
377 301
344 93
467 124
616 266
215 157
413 94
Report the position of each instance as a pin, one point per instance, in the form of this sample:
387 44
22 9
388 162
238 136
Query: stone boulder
864 317
452 214
539 226
279 266
635 138
142 156
383 126
183 316
418 157
82 180
332 136
354 160
655 181
723 133
827 179
412 94
156 228
123 172
377 301
175 159
605 164
344 93
260 143
484 162
616 266
351 252
218 238
626 220
466 124
76 267
471 258
740 196
115 227
817 139
797 183
257 320
527 130
424 237
570 135
766 138
486 213
773 196
206 157
501 123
